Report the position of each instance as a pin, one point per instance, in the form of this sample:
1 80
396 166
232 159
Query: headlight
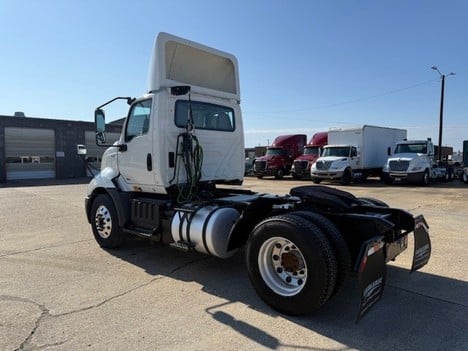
418 167
337 165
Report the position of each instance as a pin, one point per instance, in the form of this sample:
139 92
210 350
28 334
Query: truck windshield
205 116
275 152
341 151
419 148
311 150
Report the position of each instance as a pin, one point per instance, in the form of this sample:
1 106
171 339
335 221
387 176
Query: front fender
103 179
103 183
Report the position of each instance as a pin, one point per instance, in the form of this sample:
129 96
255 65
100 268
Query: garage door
94 152
30 153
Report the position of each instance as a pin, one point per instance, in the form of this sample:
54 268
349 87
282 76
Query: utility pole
441 115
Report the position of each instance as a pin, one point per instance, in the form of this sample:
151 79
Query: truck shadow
414 309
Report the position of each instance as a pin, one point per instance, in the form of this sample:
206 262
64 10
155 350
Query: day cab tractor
279 157
170 179
301 165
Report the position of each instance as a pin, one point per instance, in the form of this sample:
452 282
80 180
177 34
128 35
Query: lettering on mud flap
372 274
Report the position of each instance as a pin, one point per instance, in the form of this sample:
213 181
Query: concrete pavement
60 291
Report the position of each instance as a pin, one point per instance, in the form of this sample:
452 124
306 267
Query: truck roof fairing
177 61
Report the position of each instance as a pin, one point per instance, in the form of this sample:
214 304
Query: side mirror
100 125
100 121
80 149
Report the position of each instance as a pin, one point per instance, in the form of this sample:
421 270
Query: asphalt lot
60 291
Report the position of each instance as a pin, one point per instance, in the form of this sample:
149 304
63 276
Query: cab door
354 158
135 159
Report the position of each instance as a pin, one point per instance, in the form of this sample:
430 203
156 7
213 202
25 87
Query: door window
138 119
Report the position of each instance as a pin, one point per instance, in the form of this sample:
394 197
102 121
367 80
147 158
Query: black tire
287 239
386 179
104 222
448 174
426 179
338 243
316 180
279 174
372 201
347 177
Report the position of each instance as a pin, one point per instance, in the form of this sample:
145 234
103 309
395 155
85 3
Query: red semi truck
280 155
301 165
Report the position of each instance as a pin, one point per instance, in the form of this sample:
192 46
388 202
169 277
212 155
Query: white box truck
355 153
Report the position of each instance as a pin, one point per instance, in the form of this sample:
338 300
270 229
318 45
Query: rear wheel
291 264
316 180
104 222
340 248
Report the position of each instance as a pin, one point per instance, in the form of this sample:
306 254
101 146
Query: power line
390 92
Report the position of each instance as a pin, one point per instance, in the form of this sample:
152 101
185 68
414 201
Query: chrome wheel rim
282 266
103 222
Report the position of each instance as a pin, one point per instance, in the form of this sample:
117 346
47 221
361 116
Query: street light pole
441 115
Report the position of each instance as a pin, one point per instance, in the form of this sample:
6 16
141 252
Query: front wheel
104 222
347 177
279 174
291 264
426 179
316 180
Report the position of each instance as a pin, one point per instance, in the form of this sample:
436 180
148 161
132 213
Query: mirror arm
129 101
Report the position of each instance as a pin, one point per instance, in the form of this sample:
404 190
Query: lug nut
275 257
279 270
288 279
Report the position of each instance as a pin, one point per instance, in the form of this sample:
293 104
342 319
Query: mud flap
422 244
372 273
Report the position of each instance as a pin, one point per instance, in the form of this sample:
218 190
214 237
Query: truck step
147 233
182 246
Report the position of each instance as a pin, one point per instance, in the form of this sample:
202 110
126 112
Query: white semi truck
414 161
168 180
354 153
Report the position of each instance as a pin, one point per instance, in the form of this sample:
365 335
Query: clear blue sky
305 65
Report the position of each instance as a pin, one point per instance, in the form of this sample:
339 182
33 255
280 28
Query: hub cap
282 266
103 222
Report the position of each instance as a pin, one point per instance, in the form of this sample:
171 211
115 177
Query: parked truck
354 153
169 179
301 165
280 155
414 161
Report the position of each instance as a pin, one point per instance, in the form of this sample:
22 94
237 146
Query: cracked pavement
60 291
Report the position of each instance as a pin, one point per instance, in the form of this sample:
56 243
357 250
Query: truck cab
336 162
149 154
301 165
280 155
413 161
